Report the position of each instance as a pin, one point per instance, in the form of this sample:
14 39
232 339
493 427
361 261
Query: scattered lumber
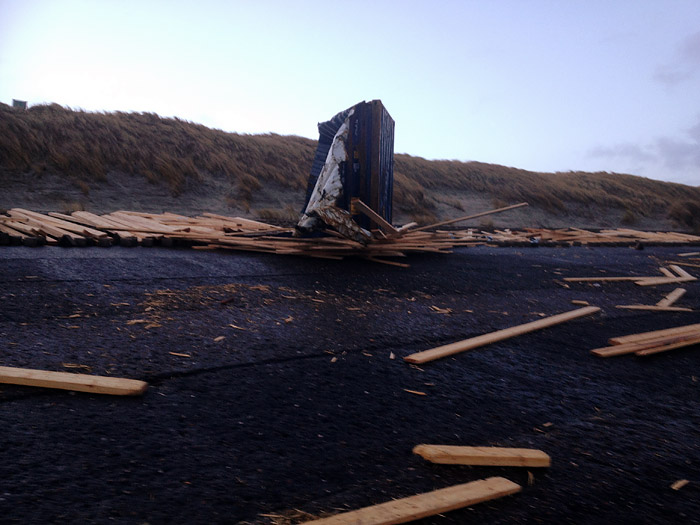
647 343
424 505
213 231
653 308
683 277
664 305
475 342
680 276
483 456
672 297
647 336
68 381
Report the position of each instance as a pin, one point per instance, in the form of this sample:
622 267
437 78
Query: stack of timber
648 343
212 231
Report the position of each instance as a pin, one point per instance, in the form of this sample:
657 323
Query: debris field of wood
211 231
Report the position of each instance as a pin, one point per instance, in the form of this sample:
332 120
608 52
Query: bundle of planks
648 343
212 231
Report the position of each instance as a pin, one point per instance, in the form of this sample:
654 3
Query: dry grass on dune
86 146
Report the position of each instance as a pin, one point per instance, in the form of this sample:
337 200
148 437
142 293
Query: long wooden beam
460 219
475 342
670 346
483 456
66 381
424 505
654 308
672 297
665 342
360 207
655 334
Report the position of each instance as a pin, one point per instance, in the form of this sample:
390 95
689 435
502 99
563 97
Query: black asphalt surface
277 383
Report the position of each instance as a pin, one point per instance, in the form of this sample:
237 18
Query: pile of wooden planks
574 237
622 236
648 343
212 231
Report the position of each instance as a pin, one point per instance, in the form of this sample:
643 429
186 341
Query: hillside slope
55 158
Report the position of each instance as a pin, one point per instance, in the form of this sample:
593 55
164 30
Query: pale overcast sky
594 85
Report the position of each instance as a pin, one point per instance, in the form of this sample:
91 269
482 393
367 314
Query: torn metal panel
354 159
327 132
329 185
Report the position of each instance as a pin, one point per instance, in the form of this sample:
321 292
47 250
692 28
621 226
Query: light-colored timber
423 505
484 456
475 342
66 381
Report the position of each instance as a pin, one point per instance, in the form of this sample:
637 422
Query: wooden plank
143 223
358 206
655 334
500 335
690 265
653 308
689 254
485 456
629 348
667 347
81 229
85 217
460 219
45 228
611 279
67 381
655 281
246 223
672 297
6 228
426 504
19 226
63 224
680 271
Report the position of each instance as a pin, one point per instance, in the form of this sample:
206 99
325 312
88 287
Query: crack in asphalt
167 278
158 379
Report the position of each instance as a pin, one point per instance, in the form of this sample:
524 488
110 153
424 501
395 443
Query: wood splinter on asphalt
426 504
66 381
475 342
483 456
